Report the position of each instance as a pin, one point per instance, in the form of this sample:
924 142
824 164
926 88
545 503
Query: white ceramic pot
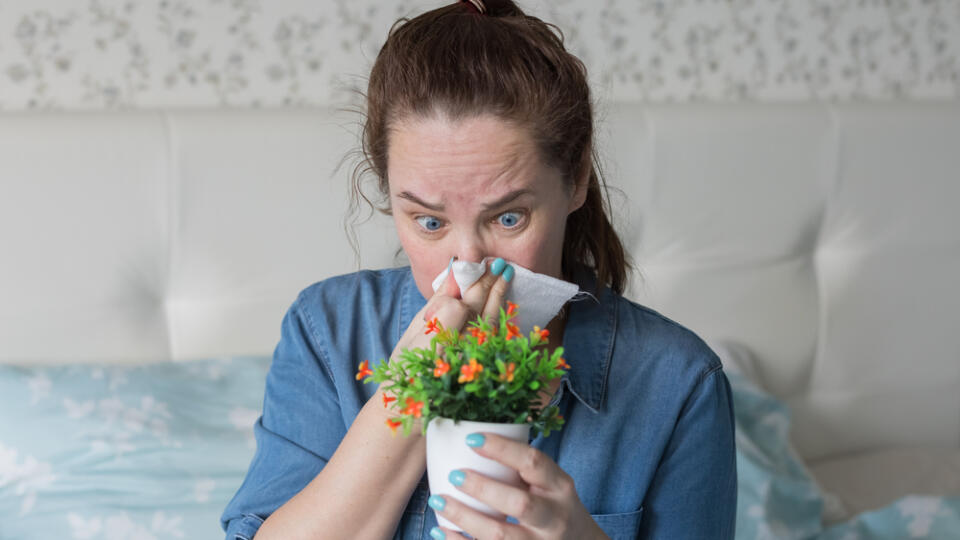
447 450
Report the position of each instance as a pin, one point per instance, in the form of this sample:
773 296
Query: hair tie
477 5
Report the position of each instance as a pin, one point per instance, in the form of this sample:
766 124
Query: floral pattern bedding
155 452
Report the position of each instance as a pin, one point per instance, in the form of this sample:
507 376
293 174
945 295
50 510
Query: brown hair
462 63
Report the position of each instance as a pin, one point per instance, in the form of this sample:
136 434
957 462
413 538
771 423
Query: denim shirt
649 433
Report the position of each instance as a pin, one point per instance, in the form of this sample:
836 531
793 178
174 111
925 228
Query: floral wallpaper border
103 54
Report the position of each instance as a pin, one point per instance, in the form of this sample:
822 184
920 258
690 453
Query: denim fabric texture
649 434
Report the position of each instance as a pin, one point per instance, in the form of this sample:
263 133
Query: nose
470 247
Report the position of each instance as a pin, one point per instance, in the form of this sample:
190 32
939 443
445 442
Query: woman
479 131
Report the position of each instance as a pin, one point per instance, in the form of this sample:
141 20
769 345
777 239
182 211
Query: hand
547 507
484 297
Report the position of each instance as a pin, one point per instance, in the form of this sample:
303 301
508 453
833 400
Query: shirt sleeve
694 491
296 434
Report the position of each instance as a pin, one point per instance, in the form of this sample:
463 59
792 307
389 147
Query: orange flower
442 367
411 380
542 333
511 308
433 326
469 371
508 376
394 424
413 407
387 399
512 330
364 370
479 334
562 364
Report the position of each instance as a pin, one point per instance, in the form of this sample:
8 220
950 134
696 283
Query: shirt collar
587 338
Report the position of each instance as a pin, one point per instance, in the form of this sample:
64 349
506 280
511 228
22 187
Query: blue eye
429 223
509 219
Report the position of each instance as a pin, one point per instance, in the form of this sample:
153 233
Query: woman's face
475 188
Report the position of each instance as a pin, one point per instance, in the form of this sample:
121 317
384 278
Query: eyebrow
486 206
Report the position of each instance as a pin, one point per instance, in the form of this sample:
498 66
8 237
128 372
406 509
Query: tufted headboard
825 238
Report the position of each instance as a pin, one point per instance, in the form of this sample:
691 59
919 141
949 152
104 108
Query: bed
148 258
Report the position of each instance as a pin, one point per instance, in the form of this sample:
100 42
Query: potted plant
487 378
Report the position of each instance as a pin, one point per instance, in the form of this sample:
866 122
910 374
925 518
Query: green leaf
486 398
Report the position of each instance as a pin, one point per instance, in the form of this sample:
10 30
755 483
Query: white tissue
538 296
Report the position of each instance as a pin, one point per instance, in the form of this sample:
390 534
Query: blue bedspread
778 499
156 451
123 453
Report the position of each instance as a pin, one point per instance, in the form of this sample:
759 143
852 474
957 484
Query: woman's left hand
548 508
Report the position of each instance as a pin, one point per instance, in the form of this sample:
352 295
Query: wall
102 54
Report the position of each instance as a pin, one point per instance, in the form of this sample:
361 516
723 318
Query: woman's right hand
484 297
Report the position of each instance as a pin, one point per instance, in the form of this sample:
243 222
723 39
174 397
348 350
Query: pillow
121 451
736 358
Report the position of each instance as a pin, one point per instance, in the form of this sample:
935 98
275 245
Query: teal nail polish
456 477
508 274
437 503
497 266
475 440
437 534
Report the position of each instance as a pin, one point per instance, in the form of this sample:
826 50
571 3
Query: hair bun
478 5
503 8
495 8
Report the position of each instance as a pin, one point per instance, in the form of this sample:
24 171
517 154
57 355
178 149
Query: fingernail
437 534
475 440
497 266
456 477
437 503
508 274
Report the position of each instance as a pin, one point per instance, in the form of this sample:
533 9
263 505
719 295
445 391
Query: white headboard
824 238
